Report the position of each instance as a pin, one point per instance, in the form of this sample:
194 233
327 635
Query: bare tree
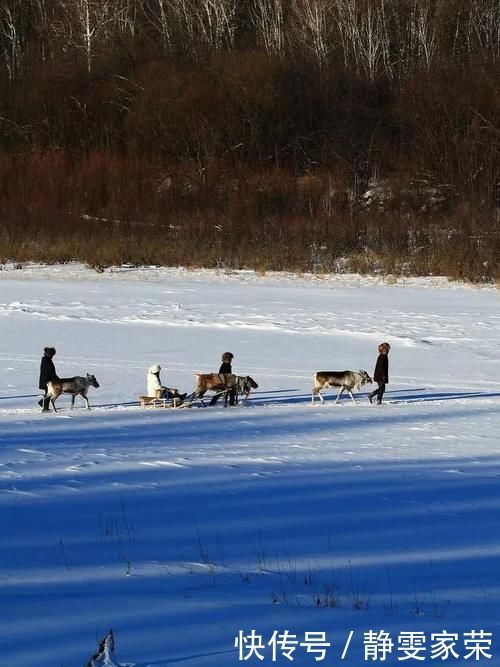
415 35
312 27
92 20
160 15
216 22
426 34
193 23
45 20
268 19
126 16
363 33
484 24
10 36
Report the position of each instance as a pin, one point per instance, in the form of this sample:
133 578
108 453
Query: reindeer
221 383
76 386
346 380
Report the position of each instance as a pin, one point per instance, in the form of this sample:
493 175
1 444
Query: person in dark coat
47 374
381 373
226 369
227 360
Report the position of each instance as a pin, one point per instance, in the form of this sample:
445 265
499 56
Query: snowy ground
180 528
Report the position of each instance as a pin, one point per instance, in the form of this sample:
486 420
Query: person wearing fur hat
47 374
227 359
155 387
381 373
226 369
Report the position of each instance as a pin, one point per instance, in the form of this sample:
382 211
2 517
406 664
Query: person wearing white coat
155 386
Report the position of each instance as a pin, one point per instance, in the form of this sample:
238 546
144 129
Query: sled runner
163 402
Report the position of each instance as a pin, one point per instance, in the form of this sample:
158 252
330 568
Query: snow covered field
180 528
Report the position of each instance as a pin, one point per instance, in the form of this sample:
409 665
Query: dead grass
105 210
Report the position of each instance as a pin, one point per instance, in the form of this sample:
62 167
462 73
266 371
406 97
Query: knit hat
227 357
49 351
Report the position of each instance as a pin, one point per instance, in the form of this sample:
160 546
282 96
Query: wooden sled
159 402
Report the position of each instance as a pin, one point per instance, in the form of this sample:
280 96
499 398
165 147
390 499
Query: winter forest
304 135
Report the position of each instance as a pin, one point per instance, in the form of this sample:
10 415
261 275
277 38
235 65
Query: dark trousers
231 394
379 392
44 402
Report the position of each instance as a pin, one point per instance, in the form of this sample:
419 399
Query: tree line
313 135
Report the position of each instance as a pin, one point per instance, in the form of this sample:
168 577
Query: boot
178 399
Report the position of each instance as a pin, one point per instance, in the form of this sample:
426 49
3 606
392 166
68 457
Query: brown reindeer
221 383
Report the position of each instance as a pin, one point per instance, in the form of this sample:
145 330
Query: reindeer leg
72 401
350 394
53 402
339 395
84 396
317 392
